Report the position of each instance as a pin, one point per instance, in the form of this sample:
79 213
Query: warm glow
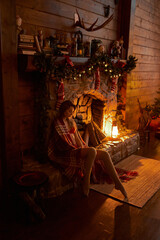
107 126
114 131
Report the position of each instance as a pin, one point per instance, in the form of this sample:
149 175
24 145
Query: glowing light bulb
114 131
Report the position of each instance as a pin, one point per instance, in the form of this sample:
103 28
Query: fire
107 126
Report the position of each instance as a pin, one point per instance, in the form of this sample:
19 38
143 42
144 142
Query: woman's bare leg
89 154
105 157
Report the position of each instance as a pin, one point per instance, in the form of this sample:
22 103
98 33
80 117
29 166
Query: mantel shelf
25 62
76 60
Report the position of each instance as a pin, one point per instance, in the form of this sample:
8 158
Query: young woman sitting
67 148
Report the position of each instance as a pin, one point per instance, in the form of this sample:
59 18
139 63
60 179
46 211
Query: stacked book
63 49
26 44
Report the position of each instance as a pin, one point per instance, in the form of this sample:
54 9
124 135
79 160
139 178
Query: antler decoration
80 23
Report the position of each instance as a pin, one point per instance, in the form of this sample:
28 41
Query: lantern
114 129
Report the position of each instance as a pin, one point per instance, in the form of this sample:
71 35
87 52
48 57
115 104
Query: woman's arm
78 138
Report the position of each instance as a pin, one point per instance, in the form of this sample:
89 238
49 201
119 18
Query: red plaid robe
64 151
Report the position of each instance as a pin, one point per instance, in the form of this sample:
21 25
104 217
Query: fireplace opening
90 109
104 133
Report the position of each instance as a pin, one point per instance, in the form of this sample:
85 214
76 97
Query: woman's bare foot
85 188
122 189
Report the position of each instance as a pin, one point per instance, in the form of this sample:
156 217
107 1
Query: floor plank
73 217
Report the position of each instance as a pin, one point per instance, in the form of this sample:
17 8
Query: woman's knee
92 151
103 154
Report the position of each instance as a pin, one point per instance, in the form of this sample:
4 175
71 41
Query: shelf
25 61
76 60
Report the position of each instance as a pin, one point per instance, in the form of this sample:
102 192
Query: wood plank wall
9 125
50 16
144 82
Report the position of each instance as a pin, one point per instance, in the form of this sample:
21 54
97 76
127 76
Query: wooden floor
72 217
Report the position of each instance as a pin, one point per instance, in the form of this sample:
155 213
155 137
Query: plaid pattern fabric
63 150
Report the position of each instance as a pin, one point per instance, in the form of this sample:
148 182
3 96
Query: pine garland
66 70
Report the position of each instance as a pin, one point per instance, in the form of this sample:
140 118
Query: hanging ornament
114 83
60 94
97 79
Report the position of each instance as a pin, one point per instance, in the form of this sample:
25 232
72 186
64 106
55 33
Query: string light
106 65
80 75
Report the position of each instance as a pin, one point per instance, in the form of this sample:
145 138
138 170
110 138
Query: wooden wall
9 114
144 81
51 16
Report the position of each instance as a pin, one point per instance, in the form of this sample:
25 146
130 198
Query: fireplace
99 108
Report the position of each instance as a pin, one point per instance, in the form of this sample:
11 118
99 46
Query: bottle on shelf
79 43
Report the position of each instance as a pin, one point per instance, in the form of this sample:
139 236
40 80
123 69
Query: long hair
64 106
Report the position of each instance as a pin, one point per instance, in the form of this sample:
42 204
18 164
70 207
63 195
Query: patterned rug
142 187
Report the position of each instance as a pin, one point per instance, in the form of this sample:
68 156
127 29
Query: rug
141 188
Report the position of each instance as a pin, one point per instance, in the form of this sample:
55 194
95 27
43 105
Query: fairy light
106 70
89 69
83 72
110 70
80 75
106 65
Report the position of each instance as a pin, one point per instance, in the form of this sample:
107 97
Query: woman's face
68 113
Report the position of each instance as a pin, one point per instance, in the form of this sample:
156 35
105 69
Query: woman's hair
64 106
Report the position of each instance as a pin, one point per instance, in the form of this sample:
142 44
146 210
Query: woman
69 150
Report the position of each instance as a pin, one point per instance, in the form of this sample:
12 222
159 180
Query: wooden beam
131 27
9 121
126 18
